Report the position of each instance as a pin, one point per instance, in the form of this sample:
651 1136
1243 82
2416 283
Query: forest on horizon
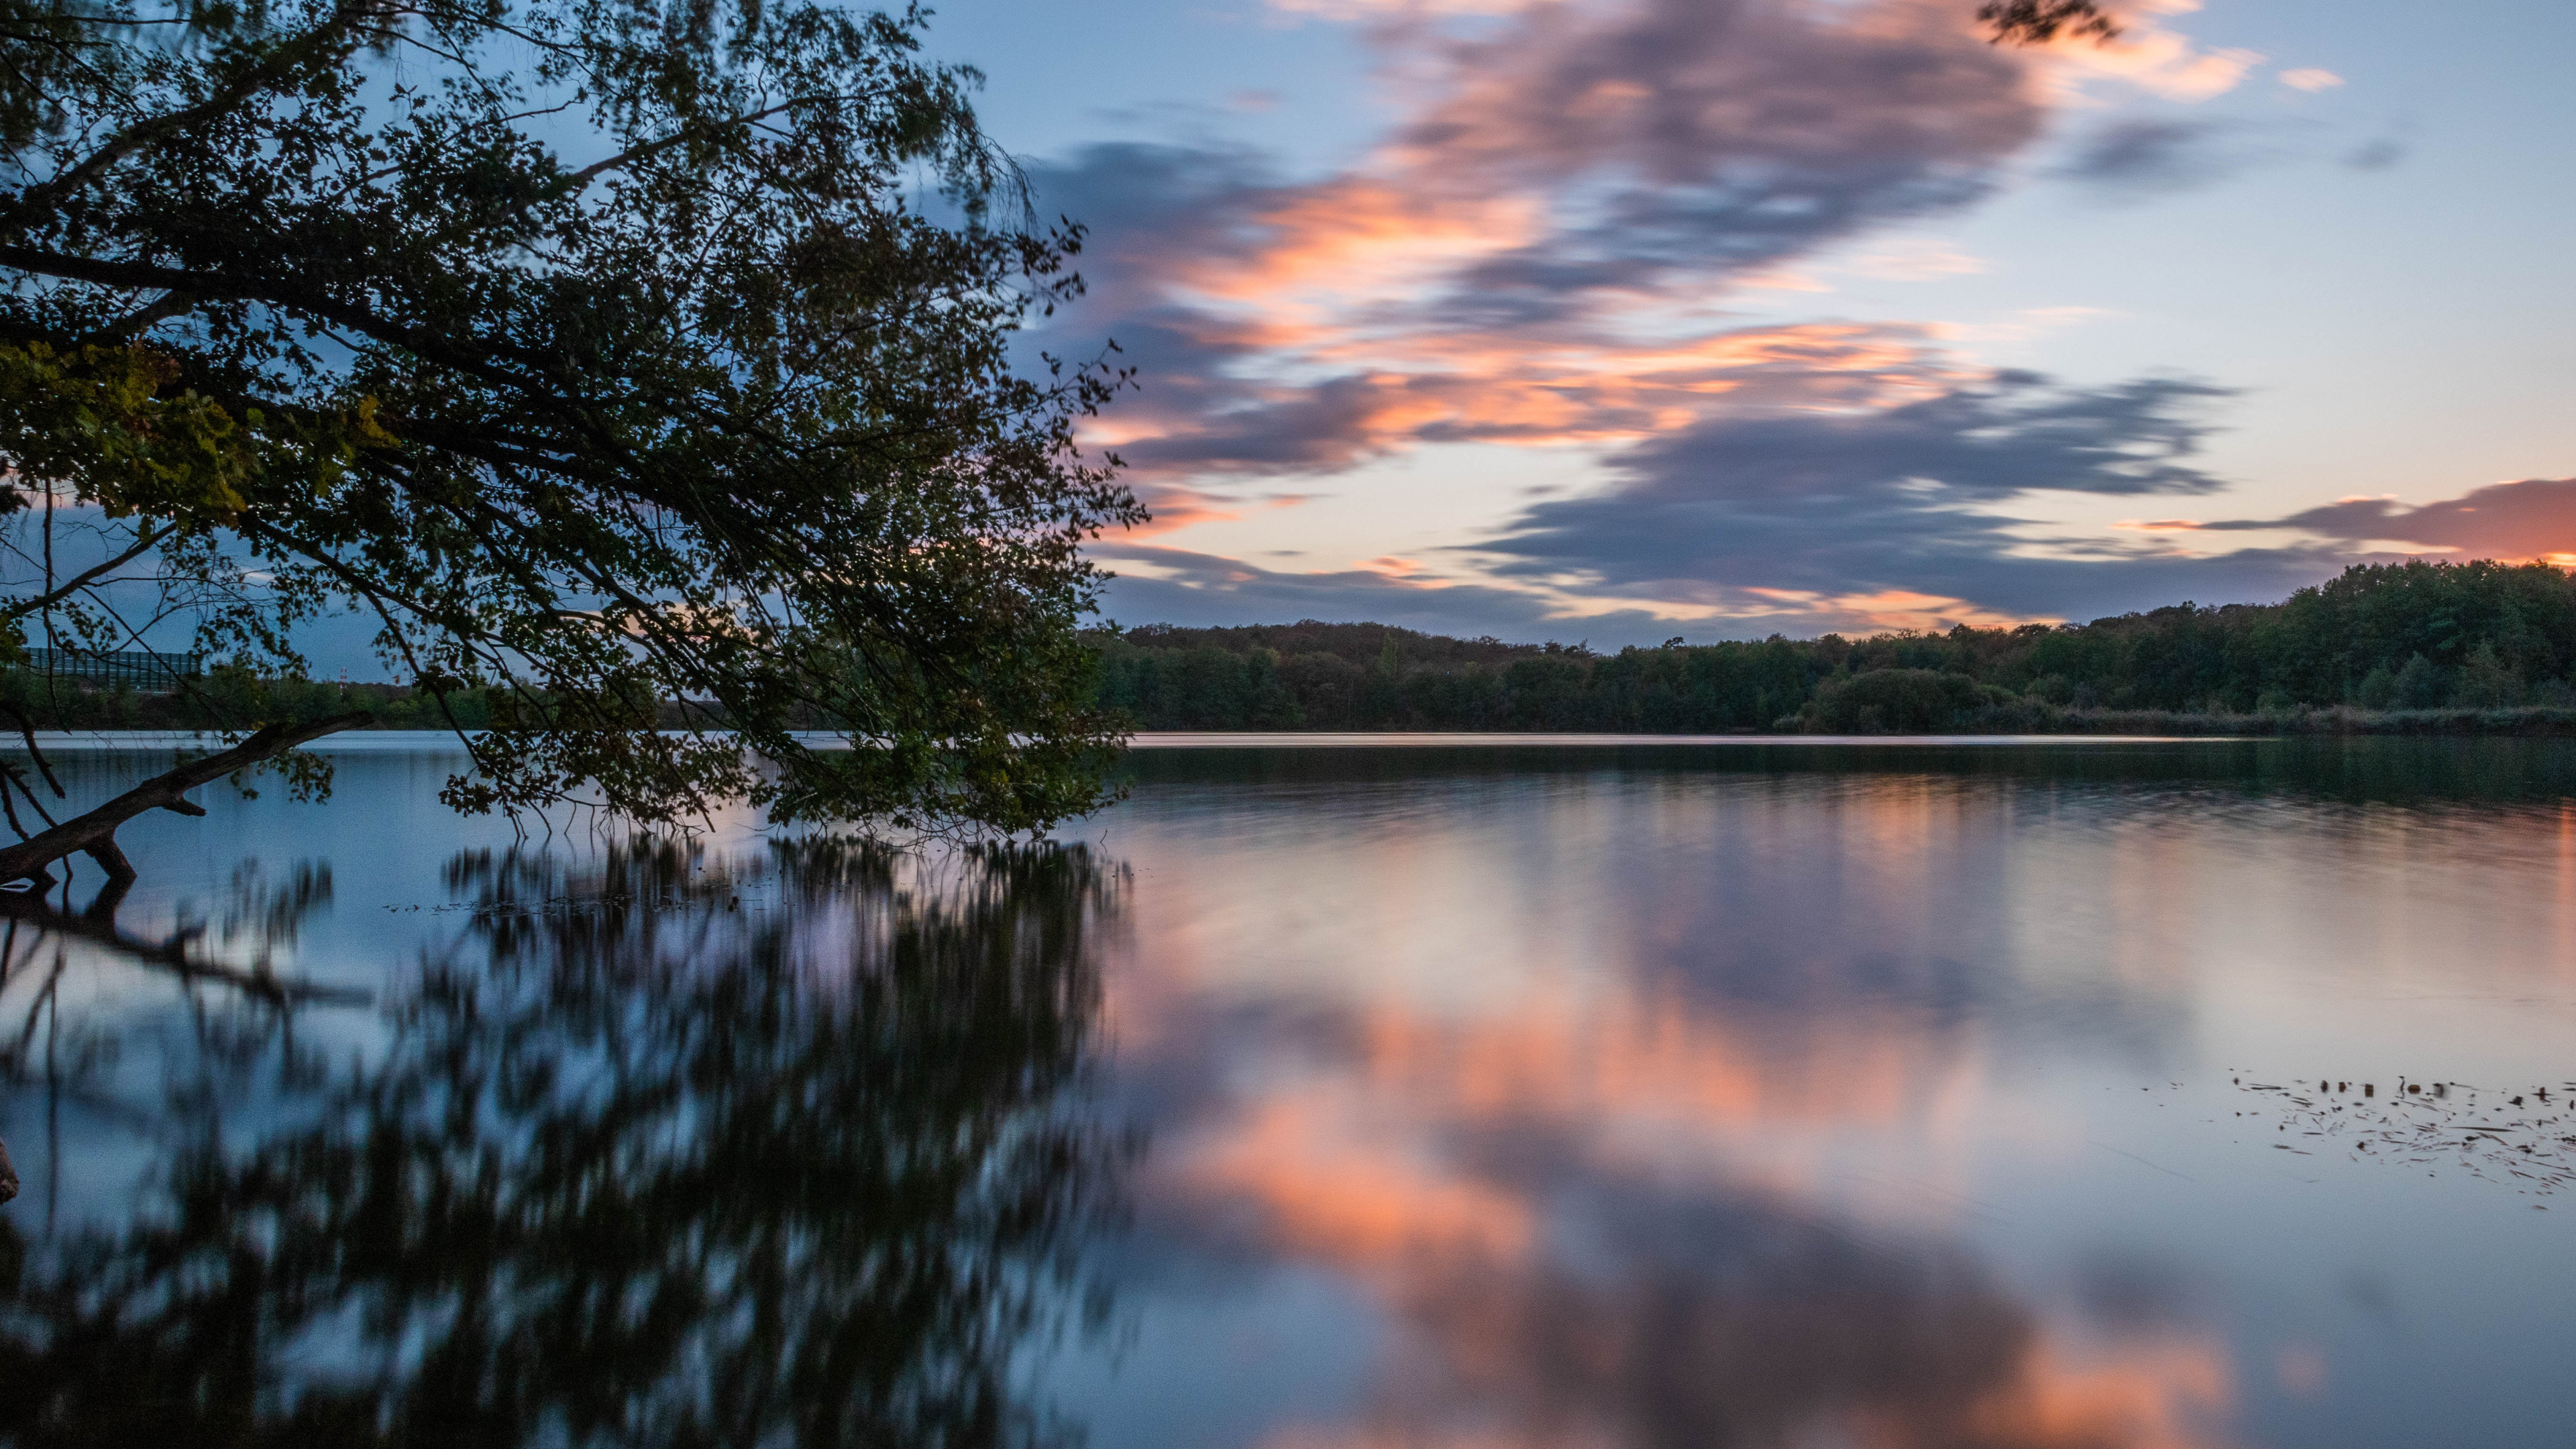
2419 644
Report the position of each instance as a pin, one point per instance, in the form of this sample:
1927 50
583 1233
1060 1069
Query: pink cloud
1550 249
1538 255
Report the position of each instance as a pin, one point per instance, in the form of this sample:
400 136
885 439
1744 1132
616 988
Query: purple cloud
2534 518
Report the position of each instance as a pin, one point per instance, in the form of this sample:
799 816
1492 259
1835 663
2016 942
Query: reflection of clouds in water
1814 948
1591 1194
1641 1313
2132 1291
1541 1281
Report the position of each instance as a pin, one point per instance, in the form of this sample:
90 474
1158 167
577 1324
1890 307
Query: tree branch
251 81
95 831
143 543
690 133
144 318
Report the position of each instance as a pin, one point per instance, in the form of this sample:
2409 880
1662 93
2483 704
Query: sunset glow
1618 236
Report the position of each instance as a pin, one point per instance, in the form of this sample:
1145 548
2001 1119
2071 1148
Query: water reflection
1896 1098
662 1150
1662 1316
1639 1098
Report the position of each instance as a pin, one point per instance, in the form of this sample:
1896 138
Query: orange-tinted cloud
1538 254
1543 252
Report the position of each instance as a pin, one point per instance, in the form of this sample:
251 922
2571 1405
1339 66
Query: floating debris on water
2486 1131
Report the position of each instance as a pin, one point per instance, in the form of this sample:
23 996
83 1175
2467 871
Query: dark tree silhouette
610 359
2036 22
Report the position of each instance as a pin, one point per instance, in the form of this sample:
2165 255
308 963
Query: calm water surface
2061 1096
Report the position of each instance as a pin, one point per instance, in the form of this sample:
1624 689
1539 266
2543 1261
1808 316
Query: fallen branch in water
94 833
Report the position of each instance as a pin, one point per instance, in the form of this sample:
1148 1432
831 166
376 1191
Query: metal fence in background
141 668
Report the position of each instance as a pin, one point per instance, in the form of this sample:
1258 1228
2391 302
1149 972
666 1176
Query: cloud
1684 136
1918 262
1209 277
2310 79
1178 586
1534 255
2147 156
1413 10
1910 515
1823 514
1542 253
1800 521
2161 62
2531 519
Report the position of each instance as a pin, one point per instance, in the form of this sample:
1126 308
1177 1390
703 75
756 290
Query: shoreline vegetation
2414 648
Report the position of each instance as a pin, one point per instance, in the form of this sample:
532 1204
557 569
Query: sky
1616 321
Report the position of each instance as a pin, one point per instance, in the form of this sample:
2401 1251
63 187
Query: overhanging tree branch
253 79
94 832
143 544
761 412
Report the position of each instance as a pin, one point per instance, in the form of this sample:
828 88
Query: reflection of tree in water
662 1154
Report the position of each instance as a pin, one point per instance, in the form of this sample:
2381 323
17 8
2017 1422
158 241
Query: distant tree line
2408 645
222 697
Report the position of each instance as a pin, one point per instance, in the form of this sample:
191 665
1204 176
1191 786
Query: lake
2057 1095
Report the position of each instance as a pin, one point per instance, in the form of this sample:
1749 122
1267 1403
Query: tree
2037 22
2487 682
2418 685
615 360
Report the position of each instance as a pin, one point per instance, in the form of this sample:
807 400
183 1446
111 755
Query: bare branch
99 927
687 134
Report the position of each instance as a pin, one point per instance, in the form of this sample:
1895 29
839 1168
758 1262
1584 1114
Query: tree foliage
601 354
2037 22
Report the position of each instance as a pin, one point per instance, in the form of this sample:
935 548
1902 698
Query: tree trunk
94 833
